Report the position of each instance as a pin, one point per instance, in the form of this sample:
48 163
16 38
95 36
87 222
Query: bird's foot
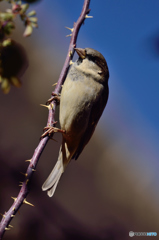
54 97
50 130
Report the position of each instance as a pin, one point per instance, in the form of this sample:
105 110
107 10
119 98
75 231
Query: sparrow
83 98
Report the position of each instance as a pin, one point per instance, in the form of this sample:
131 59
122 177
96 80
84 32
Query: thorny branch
21 198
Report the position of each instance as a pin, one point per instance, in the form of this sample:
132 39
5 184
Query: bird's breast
77 98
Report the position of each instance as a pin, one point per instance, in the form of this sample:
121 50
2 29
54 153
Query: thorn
27 181
7 228
62 86
69 35
12 215
2 215
88 16
70 53
51 105
25 201
14 198
25 174
54 84
13 209
71 29
10 226
47 106
20 185
29 160
34 170
71 62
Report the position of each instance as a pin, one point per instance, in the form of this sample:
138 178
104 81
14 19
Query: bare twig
21 198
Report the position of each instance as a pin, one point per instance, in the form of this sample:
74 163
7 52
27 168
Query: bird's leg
50 130
54 97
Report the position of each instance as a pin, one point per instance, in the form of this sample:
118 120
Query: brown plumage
83 99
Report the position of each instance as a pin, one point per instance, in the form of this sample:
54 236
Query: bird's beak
81 52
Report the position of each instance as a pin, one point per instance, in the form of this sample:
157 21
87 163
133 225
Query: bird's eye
91 58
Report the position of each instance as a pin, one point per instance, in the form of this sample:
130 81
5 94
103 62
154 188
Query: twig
21 198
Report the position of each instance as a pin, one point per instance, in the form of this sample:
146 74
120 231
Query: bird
83 98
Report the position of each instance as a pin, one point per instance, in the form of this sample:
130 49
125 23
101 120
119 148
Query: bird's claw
54 97
50 130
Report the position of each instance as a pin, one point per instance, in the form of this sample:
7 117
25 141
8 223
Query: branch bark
21 198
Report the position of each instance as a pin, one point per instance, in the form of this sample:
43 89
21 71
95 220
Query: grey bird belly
77 98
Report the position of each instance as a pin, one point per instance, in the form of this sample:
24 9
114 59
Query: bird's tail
64 158
51 182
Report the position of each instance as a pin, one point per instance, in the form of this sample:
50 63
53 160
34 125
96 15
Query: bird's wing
96 112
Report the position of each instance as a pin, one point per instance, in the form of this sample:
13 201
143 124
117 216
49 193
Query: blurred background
113 188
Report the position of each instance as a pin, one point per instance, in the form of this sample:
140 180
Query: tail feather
51 191
51 182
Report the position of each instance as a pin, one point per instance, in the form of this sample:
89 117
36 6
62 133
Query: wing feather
96 112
